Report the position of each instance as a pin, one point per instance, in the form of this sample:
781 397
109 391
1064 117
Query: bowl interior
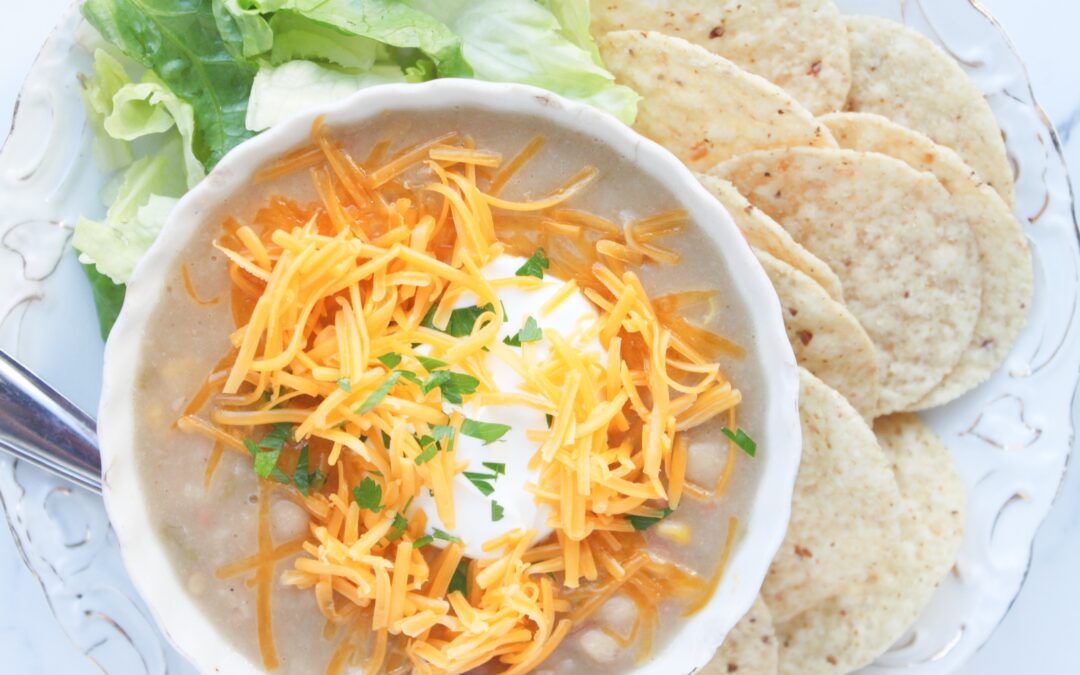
174 533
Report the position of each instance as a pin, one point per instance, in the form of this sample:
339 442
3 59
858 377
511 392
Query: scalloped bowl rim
144 554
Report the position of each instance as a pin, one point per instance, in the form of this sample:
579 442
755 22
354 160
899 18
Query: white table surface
1039 634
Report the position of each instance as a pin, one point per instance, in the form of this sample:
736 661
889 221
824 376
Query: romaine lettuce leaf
245 32
391 22
297 37
134 220
573 16
179 40
521 41
149 107
281 91
108 298
97 93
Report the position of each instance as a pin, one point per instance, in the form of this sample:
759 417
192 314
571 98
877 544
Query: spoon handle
40 426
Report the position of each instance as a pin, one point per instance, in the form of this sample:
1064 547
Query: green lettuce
149 107
391 22
281 91
298 38
108 298
181 42
244 31
525 41
97 93
134 220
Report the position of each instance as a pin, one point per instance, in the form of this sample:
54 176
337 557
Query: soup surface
253 551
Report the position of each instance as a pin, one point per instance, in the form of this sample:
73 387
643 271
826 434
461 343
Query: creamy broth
206 528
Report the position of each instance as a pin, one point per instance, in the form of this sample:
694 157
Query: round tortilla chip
1007 275
827 340
852 629
764 234
800 46
702 107
845 508
908 263
750 648
901 74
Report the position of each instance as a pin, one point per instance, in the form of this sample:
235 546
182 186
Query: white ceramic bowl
762 525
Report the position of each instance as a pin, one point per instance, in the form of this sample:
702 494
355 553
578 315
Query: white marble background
1039 634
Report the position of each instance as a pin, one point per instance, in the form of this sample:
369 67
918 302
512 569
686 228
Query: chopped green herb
740 439
530 332
385 439
408 503
427 452
444 432
368 495
459 582
379 394
344 384
550 419
266 462
411 377
304 481
390 360
482 481
454 386
488 432
398 529
275 440
445 536
376 473
431 364
496 511
645 522
422 541
497 467
535 265
461 322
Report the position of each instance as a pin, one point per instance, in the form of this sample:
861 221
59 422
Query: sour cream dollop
474 512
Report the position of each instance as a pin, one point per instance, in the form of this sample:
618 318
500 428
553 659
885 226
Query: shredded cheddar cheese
342 306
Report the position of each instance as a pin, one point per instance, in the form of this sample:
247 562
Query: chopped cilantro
429 445
344 384
390 360
535 265
645 522
379 394
398 529
496 511
739 438
422 541
275 440
461 322
368 495
482 481
550 419
305 481
497 467
529 333
444 431
385 439
266 462
445 536
427 451
431 364
459 582
411 377
452 385
488 432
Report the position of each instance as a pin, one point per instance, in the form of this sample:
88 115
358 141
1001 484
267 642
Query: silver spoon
40 426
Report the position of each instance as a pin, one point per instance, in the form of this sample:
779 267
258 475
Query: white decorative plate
1011 437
